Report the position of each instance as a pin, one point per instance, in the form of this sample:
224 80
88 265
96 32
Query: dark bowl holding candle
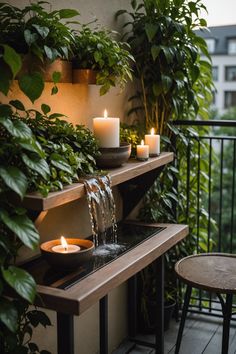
67 261
114 157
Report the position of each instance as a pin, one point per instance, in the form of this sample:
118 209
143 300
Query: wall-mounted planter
84 76
47 69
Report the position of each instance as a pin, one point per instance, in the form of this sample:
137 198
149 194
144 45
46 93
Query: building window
214 98
210 44
232 46
215 73
230 99
230 73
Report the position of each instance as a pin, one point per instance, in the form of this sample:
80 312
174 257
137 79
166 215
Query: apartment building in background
221 42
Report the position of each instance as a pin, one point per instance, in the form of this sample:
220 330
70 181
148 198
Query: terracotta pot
84 76
47 69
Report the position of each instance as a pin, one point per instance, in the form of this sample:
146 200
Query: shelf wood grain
130 170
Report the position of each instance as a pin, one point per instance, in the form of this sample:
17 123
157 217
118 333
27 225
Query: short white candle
142 151
107 131
64 247
153 140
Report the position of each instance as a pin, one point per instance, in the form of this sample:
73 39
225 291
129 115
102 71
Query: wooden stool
213 272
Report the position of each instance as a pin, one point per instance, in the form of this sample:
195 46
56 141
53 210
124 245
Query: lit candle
64 247
142 152
107 131
153 140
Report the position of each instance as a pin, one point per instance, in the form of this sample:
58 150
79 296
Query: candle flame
152 131
142 142
64 243
105 113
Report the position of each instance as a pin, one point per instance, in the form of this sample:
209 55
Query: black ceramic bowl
67 261
114 157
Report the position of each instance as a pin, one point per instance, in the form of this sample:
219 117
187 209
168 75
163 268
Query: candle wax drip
101 206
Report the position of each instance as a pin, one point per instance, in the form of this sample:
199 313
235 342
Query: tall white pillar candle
107 131
153 140
142 152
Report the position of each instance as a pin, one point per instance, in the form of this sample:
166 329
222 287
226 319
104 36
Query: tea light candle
64 247
107 131
153 140
142 152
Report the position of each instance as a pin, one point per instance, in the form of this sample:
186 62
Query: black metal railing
210 171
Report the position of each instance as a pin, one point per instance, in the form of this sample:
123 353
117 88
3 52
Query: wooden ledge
91 289
131 169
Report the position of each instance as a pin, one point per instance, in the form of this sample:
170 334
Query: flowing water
102 209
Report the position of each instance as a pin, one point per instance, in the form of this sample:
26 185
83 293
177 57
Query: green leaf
16 128
54 90
45 108
12 59
48 52
32 85
8 314
59 162
155 50
23 227
37 164
30 37
21 281
5 110
38 317
68 13
18 105
56 77
31 145
42 30
14 179
6 77
151 30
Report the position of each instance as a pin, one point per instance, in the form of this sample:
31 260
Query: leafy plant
130 134
97 50
39 36
174 83
173 77
37 152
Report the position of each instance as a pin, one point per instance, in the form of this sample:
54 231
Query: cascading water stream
101 206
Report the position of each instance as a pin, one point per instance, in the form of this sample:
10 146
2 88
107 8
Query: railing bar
211 137
209 211
221 191
188 181
198 194
198 207
232 202
213 123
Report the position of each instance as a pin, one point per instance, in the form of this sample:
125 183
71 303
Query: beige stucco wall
80 103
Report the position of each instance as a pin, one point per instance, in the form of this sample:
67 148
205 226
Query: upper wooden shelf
130 170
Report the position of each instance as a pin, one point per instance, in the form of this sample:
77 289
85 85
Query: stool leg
183 317
227 311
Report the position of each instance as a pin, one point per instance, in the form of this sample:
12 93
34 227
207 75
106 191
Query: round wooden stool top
209 271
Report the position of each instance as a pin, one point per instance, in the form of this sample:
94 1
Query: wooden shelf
82 295
130 170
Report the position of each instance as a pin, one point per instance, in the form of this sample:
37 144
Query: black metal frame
65 322
224 140
226 311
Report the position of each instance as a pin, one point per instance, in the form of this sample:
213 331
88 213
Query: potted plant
99 57
42 39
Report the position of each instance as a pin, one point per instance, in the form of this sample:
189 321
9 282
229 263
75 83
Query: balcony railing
213 217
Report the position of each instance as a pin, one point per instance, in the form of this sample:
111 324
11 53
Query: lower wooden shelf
74 293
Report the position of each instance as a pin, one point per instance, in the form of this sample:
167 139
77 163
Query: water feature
102 210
